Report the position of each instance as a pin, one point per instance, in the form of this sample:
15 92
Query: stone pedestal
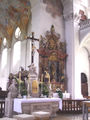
8 107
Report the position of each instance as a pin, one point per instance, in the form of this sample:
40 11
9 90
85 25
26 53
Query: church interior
44 59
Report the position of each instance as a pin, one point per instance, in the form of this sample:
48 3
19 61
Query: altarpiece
52 57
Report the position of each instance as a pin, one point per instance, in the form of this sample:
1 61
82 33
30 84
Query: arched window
4 41
17 32
16 55
4 59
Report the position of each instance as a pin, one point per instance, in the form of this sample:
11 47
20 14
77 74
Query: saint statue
46 77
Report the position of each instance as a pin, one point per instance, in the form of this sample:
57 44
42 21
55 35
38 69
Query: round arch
84 58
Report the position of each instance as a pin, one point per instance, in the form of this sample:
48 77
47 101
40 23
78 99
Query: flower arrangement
21 86
59 93
45 90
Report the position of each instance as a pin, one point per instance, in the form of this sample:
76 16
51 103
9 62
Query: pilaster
69 36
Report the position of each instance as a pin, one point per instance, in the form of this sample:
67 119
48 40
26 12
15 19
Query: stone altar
28 106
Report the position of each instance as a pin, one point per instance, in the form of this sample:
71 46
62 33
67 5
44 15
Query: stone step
6 118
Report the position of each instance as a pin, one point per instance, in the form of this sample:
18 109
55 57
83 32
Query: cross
32 40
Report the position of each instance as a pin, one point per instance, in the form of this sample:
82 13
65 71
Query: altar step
6 118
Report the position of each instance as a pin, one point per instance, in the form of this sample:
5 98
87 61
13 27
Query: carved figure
12 90
46 77
32 68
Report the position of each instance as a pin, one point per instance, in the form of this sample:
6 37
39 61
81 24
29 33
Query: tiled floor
60 117
68 117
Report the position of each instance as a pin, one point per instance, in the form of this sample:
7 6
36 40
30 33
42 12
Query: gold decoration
53 57
35 86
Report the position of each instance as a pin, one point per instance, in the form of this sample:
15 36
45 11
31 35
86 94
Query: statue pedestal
8 107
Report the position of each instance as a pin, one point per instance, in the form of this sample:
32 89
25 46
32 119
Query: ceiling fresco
13 13
54 7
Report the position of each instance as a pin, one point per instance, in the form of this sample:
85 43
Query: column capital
69 16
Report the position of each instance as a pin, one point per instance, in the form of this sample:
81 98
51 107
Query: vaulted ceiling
13 13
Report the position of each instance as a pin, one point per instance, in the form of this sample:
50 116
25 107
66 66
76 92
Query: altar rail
72 106
3 94
2 108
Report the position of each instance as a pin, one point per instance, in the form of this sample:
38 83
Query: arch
84 47
85 39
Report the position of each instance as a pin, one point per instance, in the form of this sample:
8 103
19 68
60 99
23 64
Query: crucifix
32 44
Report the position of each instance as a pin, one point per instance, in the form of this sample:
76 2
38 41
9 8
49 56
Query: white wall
41 21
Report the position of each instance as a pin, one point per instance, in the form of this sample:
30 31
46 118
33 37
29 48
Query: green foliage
21 85
23 90
60 94
45 90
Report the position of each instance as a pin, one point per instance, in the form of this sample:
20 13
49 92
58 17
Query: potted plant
23 90
45 90
60 94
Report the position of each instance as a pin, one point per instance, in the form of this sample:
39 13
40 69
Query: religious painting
52 57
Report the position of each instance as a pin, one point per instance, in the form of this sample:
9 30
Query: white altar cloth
17 102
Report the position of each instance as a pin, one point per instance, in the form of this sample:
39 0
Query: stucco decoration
13 13
54 7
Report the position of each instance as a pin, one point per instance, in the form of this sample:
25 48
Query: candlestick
28 87
19 75
19 94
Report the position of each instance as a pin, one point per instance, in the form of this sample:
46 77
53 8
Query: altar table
34 104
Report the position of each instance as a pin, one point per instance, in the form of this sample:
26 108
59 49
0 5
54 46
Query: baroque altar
52 58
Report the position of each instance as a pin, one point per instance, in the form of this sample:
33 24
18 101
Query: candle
19 75
28 77
42 78
50 87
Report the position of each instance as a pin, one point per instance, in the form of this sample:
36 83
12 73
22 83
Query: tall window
4 59
17 32
4 41
16 54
